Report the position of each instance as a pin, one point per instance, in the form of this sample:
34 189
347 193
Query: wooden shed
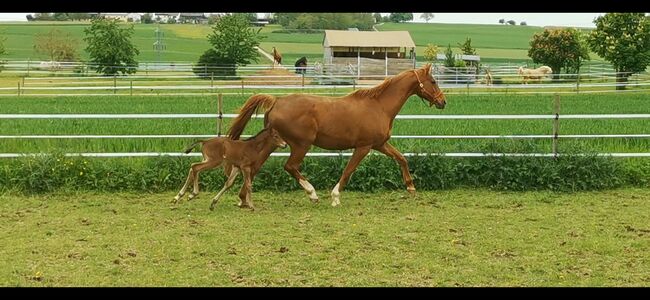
370 52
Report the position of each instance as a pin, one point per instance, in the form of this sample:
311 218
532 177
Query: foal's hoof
191 196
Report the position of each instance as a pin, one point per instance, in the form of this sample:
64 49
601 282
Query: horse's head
546 69
428 87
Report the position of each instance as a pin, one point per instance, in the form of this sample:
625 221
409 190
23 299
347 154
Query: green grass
442 238
458 104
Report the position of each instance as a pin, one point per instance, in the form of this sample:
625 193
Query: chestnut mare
362 120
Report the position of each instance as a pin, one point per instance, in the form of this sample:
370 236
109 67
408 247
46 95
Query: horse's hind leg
210 164
229 182
393 153
298 153
187 183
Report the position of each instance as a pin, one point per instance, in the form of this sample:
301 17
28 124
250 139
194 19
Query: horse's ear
427 69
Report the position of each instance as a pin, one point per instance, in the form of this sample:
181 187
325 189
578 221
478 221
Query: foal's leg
248 188
187 183
357 156
210 164
298 153
229 182
393 153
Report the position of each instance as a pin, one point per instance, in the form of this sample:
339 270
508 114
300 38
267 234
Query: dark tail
191 147
251 106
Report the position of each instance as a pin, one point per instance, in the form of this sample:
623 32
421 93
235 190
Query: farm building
369 52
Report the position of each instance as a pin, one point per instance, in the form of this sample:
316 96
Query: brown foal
235 155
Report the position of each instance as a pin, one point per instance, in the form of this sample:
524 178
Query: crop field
458 105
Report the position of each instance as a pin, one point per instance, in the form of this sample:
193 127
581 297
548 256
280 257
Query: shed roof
344 38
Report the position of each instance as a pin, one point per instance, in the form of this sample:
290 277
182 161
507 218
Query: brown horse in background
362 120
277 57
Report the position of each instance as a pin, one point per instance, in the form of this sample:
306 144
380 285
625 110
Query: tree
467 49
559 48
377 17
502 21
512 22
233 42
427 16
400 17
623 39
79 16
61 17
146 18
110 48
56 45
431 53
450 61
523 23
2 50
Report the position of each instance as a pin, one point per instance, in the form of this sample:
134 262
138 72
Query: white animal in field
537 74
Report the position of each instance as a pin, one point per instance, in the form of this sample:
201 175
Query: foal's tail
251 106
191 147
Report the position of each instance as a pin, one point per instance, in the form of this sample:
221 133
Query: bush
212 64
55 172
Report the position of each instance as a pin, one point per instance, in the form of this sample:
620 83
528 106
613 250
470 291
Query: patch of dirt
263 77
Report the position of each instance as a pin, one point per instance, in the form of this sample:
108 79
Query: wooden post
556 123
220 111
29 60
114 84
386 62
131 88
242 86
212 80
18 88
578 84
358 62
303 80
146 69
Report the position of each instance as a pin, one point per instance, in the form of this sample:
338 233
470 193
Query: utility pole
158 45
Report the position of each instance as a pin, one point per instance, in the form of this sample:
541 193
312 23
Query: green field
443 238
458 104
186 42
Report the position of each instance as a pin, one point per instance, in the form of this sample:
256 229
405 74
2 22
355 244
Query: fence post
212 80
131 87
23 83
303 80
556 123
220 111
578 84
242 86
146 69
28 63
18 88
114 84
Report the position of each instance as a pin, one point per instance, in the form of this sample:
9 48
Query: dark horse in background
362 120
301 65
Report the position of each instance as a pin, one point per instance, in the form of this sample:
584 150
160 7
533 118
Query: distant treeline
362 21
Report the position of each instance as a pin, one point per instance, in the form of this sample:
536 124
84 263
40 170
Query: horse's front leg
393 153
357 156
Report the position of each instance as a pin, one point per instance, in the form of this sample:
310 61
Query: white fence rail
320 154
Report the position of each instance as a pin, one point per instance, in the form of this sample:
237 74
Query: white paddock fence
554 137
177 79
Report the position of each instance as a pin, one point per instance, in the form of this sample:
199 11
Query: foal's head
277 139
428 87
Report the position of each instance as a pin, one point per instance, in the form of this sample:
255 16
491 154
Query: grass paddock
444 238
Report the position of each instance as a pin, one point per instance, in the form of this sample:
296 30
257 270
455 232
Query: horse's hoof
314 200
